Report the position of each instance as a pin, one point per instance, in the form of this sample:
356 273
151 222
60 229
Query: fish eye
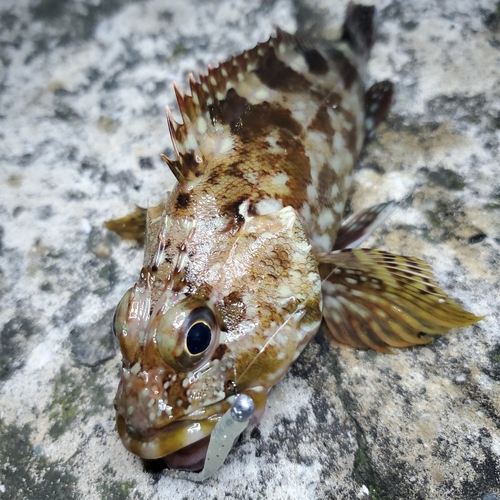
198 338
187 334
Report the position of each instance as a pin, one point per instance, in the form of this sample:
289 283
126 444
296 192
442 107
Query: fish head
240 311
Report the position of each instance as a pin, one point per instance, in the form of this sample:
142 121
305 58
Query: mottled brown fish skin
296 123
265 156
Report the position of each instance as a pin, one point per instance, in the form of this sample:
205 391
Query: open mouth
190 458
171 439
182 444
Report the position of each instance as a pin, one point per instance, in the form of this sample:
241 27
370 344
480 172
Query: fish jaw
189 435
159 410
170 438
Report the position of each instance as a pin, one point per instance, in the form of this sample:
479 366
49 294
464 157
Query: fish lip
184 431
167 440
175 435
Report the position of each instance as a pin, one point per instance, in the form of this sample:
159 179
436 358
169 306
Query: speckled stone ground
83 86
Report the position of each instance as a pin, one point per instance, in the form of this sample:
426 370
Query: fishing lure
248 254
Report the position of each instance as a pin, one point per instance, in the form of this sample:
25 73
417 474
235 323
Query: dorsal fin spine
198 95
173 128
174 167
181 102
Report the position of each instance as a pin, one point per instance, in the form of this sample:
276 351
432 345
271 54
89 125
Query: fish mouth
182 443
191 458
172 438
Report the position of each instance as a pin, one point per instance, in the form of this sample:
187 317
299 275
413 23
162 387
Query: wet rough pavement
82 89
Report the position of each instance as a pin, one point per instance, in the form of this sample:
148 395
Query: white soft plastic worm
225 432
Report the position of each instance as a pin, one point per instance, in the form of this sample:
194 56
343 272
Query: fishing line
397 205
271 337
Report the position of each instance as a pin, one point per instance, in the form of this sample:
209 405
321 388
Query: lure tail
359 28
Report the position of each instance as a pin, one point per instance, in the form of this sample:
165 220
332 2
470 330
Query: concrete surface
82 92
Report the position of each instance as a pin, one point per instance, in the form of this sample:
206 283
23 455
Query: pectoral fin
356 228
378 100
375 299
130 227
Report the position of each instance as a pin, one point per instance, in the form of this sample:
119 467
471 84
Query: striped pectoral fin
356 228
378 300
130 227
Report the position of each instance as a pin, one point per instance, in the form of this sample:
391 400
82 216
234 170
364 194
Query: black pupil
198 338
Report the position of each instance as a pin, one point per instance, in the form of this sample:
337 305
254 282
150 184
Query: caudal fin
359 28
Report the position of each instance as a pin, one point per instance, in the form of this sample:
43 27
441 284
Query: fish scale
248 254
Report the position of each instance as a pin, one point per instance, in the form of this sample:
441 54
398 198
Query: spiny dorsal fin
228 74
202 133
218 102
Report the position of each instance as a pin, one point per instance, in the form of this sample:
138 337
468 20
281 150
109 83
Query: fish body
248 253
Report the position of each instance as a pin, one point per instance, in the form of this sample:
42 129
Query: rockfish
248 254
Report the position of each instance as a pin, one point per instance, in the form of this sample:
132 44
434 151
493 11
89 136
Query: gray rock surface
83 86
